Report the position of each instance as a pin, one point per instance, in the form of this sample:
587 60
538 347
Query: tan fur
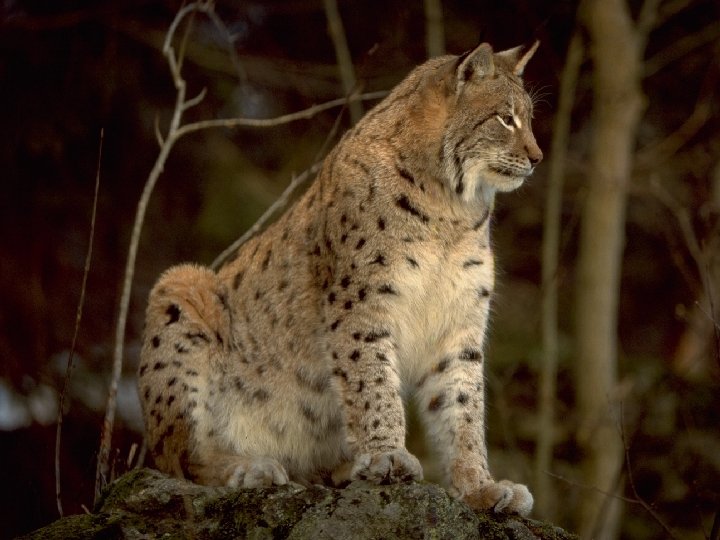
289 363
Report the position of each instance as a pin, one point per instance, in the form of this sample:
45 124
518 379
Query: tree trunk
434 28
550 248
616 49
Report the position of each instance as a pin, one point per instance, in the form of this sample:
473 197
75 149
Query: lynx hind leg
186 324
218 469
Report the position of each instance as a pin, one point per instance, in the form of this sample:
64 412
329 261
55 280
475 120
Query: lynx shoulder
291 362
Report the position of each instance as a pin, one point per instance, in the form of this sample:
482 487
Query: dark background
71 69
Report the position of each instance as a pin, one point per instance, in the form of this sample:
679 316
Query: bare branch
103 469
278 120
78 318
659 152
158 136
681 48
194 101
279 203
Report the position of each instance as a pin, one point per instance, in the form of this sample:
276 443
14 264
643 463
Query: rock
145 504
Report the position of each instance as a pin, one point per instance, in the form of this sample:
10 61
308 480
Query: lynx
291 362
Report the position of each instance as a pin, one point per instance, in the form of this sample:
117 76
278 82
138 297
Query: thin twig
279 203
78 318
591 488
283 119
103 468
638 499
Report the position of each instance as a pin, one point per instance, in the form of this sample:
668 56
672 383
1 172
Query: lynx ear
514 58
478 63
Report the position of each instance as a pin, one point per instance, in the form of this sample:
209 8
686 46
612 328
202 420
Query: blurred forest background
604 354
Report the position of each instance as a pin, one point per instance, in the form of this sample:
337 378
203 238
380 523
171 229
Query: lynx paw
503 496
258 472
388 467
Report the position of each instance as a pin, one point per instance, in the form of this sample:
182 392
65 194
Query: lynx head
488 144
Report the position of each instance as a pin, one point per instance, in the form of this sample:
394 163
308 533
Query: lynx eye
507 120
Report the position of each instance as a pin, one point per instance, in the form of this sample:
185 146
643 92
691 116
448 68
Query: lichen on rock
145 504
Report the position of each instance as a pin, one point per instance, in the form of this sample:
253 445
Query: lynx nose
534 154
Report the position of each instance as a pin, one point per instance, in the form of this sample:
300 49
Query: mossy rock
146 504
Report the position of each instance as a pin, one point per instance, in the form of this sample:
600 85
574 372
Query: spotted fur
290 362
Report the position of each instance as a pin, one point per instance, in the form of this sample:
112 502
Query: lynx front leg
451 399
369 388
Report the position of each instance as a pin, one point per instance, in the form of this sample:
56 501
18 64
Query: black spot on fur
355 355
310 415
470 354
348 304
197 337
462 398
387 289
481 221
404 203
238 279
173 311
412 262
335 325
442 365
361 294
436 402
159 366
404 173
345 282
172 381
372 337
380 259
331 298
472 262
156 341
143 369
261 395
483 292
360 243
381 224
